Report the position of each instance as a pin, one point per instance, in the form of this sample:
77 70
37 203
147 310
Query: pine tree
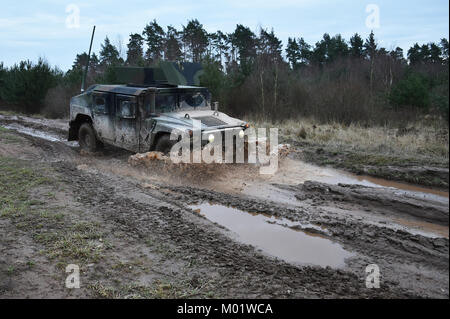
80 61
109 55
320 52
305 51
219 46
435 53
195 39
154 37
356 46
370 50
337 48
397 54
425 53
245 41
172 46
135 51
444 50
293 52
269 45
370 47
415 54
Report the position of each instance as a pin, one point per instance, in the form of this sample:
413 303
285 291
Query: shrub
25 85
411 91
212 77
302 133
440 101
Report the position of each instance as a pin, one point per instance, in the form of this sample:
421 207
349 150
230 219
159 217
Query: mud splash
292 242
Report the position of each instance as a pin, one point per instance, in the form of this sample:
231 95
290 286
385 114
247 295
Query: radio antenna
83 81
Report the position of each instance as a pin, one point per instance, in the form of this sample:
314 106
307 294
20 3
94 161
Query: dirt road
206 231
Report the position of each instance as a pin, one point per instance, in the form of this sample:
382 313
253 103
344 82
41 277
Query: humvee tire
87 139
164 144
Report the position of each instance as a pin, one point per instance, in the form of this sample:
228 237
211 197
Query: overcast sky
49 29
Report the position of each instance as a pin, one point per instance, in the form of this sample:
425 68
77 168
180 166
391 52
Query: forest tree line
335 79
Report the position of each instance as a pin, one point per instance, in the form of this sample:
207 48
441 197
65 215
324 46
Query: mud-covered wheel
164 144
87 139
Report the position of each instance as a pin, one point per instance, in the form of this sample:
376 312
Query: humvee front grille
210 121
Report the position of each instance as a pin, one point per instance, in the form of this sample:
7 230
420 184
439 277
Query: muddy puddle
424 228
60 124
49 136
428 192
280 238
295 172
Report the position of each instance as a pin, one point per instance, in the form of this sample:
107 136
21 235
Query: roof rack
157 84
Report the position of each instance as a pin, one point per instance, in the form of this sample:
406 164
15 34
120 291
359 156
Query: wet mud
303 233
412 171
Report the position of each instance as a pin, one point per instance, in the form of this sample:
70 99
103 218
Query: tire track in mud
390 248
370 198
241 270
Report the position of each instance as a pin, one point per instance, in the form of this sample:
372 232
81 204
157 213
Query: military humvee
140 114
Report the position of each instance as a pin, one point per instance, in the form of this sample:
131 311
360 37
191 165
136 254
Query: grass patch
62 240
159 290
16 181
75 247
424 142
8 138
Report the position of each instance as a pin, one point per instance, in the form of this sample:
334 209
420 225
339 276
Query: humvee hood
208 118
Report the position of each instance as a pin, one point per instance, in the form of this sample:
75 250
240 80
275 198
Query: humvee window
100 105
126 109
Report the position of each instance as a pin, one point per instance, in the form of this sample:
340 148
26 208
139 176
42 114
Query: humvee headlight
241 133
211 138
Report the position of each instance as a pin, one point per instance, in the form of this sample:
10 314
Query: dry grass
429 139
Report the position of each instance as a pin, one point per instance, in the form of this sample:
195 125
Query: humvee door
103 116
126 123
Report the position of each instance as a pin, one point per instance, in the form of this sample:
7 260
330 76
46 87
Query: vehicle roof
120 89
138 90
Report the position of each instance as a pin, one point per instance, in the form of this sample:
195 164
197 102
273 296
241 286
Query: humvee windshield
178 101
192 100
165 103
